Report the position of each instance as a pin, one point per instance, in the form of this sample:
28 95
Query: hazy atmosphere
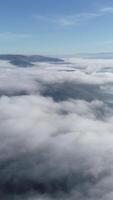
56 100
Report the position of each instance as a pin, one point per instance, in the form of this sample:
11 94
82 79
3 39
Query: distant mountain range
102 55
27 61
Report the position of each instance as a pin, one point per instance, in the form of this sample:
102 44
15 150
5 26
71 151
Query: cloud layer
56 124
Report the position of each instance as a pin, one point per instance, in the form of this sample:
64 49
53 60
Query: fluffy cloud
56 124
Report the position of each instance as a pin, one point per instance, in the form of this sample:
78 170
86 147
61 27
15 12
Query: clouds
74 19
10 35
56 148
107 10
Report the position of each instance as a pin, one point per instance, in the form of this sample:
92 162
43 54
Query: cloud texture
56 131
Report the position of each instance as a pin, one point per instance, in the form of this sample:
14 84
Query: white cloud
75 19
107 10
11 35
57 149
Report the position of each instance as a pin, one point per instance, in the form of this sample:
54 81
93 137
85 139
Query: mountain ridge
28 60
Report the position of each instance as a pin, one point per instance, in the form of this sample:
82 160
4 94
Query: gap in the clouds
65 90
14 93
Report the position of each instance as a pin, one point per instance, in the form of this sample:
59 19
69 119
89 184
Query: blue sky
56 26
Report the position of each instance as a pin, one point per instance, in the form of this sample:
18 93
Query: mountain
27 61
102 55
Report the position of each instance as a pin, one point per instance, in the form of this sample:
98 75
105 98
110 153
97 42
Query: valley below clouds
56 130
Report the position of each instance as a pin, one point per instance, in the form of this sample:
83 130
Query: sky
56 27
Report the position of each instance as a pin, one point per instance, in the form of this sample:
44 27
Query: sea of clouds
56 130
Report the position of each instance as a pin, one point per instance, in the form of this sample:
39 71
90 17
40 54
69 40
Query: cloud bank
56 131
